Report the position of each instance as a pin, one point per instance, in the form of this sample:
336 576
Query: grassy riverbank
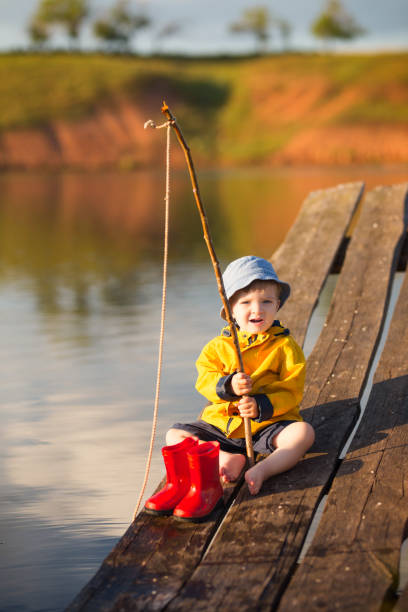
241 110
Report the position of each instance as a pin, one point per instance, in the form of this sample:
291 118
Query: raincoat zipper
228 425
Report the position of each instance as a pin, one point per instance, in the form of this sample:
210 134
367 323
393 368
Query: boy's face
255 310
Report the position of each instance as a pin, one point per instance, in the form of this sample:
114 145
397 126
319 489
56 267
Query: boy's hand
248 407
241 383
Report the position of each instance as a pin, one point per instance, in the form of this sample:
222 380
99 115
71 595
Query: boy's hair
256 284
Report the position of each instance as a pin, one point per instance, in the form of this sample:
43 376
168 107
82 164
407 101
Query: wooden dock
252 555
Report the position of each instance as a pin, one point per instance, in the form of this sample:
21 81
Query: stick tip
164 107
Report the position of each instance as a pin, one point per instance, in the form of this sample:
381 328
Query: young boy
270 390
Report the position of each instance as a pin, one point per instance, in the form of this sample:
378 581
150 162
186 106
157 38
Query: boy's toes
230 470
253 487
254 482
224 475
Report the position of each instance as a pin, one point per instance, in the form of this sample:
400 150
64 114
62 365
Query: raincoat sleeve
213 376
285 393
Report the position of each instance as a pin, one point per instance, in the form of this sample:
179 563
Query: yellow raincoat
276 365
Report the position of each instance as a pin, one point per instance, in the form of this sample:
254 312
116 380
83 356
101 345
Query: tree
66 13
256 21
37 32
285 30
334 22
119 25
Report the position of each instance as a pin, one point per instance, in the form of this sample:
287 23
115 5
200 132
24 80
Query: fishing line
167 124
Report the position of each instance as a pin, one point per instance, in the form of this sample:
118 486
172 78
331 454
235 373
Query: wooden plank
261 536
357 545
306 256
156 556
402 603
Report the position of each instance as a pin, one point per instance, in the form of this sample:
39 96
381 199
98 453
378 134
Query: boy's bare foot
231 466
254 478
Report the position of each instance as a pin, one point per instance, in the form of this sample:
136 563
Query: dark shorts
262 441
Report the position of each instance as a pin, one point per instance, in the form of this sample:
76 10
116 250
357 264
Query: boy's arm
281 396
224 388
212 381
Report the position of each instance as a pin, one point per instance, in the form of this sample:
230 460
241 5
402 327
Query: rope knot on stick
150 123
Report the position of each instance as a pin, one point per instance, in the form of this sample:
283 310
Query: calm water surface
80 292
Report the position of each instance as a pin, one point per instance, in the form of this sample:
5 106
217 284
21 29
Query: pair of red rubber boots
193 489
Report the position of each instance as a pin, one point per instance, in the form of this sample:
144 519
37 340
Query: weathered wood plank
157 555
402 603
261 536
305 257
357 545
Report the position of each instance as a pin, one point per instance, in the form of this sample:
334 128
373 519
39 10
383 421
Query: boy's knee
173 436
304 432
309 434
299 434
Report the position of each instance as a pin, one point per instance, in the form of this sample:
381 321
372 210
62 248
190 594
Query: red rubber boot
178 478
205 492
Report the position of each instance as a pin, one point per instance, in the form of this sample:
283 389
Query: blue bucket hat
243 271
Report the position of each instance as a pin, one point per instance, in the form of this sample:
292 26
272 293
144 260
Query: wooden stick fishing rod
221 289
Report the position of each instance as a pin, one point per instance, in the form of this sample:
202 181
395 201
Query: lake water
80 296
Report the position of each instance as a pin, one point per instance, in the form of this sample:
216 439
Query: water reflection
80 290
